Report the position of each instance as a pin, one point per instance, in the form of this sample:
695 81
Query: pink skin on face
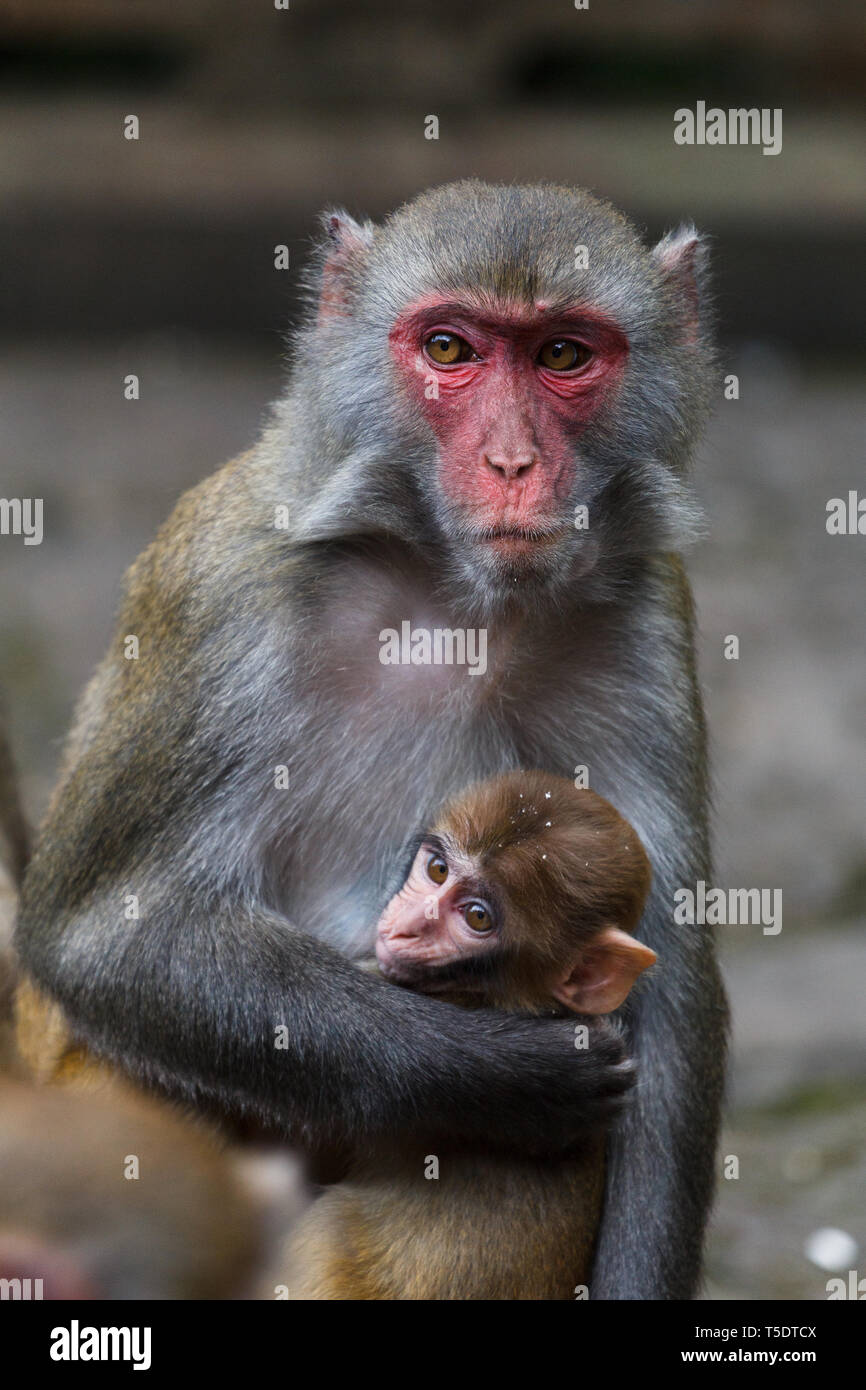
426 922
507 426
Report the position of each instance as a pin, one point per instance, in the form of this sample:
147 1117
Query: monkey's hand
542 1085
554 1081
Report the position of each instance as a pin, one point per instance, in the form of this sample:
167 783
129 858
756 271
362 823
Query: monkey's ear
345 255
682 258
603 976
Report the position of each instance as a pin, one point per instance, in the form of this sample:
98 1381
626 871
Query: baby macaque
522 897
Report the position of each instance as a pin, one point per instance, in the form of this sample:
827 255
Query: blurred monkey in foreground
521 896
113 1197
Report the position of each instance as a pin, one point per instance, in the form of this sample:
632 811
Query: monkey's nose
511 468
409 928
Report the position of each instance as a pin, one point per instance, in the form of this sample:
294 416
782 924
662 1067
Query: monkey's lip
393 968
519 540
422 977
412 974
397 976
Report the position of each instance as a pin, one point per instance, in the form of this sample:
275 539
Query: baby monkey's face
453 930
442 913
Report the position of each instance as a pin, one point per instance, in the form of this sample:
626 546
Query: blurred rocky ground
156 257
788 722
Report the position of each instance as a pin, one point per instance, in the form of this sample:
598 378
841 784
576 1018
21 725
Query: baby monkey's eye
437 869
563 355
477 917
447 348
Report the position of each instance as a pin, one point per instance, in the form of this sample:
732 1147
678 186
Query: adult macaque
491 411
522 896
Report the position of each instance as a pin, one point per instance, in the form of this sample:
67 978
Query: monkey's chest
392 720
395 709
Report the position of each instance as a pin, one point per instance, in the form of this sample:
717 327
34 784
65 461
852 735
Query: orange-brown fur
491 1227
46 1046
565 862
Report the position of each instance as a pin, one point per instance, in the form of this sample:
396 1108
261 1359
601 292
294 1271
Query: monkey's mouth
511 541
469 974
405 972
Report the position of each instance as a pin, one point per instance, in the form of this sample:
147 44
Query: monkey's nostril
509 468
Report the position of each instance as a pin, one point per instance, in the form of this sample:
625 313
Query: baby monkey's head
522 896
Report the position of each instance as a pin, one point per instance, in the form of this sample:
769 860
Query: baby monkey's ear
600 980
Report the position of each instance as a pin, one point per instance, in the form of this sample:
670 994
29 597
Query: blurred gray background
156 257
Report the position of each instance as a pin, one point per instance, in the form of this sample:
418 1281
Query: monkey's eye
447 348
477 917
437 869
563 355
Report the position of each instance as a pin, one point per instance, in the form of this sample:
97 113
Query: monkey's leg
339 1249
488 1229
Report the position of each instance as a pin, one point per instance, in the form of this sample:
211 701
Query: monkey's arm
661 1160
223 1001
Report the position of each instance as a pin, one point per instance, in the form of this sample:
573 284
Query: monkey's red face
508 395
438 917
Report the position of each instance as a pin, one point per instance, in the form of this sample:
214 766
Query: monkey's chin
422 976
515 565
509 560
397 975
516 547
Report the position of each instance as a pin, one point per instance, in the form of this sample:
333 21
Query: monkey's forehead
489 850
515 245
464 862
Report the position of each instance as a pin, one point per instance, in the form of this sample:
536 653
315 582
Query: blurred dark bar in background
251 118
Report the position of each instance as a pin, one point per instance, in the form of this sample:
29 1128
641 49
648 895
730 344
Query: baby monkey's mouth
469 974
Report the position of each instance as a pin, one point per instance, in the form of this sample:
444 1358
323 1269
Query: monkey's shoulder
210 563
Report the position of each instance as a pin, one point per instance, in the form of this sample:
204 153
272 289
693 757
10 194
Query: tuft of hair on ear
343 257
682 257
